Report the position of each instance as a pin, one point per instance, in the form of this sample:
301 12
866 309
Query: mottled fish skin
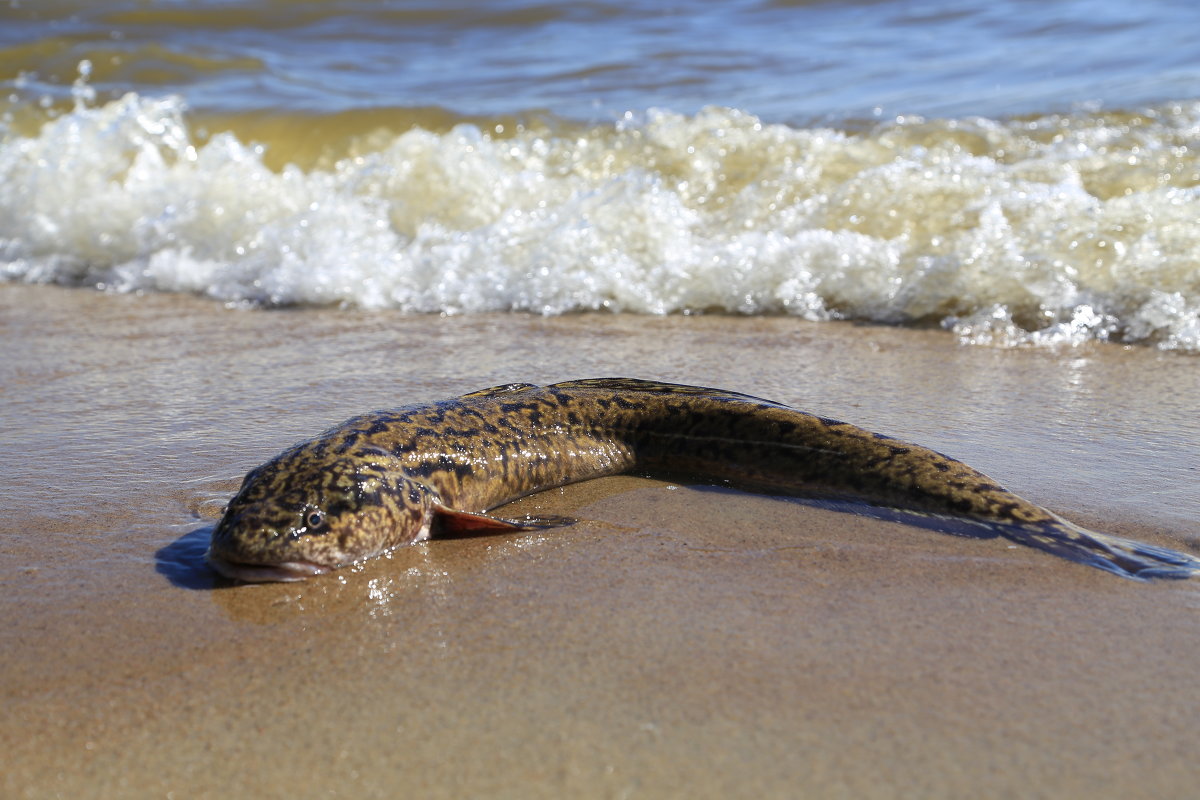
394 477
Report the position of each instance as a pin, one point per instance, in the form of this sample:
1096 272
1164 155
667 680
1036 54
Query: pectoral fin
450 523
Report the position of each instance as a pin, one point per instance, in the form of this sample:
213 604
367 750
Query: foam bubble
1058 229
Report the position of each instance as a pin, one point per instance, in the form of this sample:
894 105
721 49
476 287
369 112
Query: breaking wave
1049 229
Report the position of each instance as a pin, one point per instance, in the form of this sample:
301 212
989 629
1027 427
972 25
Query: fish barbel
399 476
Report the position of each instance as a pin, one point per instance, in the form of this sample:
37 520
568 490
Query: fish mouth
284 571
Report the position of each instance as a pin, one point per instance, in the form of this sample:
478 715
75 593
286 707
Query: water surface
1019 173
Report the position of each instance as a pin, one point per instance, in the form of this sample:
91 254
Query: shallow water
673 639
495 157
114 401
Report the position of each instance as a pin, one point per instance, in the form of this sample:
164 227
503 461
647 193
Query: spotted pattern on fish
393 477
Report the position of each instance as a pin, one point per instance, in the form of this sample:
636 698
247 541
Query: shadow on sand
182 561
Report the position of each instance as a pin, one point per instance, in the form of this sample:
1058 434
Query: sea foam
1054 229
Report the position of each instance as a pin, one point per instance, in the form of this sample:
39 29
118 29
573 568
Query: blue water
794 62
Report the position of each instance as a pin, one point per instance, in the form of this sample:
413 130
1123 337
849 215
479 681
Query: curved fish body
398 476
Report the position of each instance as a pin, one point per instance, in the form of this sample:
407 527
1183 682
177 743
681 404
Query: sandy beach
676 641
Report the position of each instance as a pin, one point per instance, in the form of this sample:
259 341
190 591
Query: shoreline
673 641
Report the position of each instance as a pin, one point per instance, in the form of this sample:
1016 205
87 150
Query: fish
394 477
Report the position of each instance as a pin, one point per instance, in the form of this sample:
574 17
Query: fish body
394 477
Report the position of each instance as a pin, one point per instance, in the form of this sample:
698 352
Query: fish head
303 514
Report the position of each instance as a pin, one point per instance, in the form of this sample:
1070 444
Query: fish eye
314 518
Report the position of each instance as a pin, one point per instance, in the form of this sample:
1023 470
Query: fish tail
1123 557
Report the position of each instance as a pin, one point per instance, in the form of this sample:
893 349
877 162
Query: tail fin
1123 557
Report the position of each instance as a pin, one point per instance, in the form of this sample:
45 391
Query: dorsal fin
660 387
508 388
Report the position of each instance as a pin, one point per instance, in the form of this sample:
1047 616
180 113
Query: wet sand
677 641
